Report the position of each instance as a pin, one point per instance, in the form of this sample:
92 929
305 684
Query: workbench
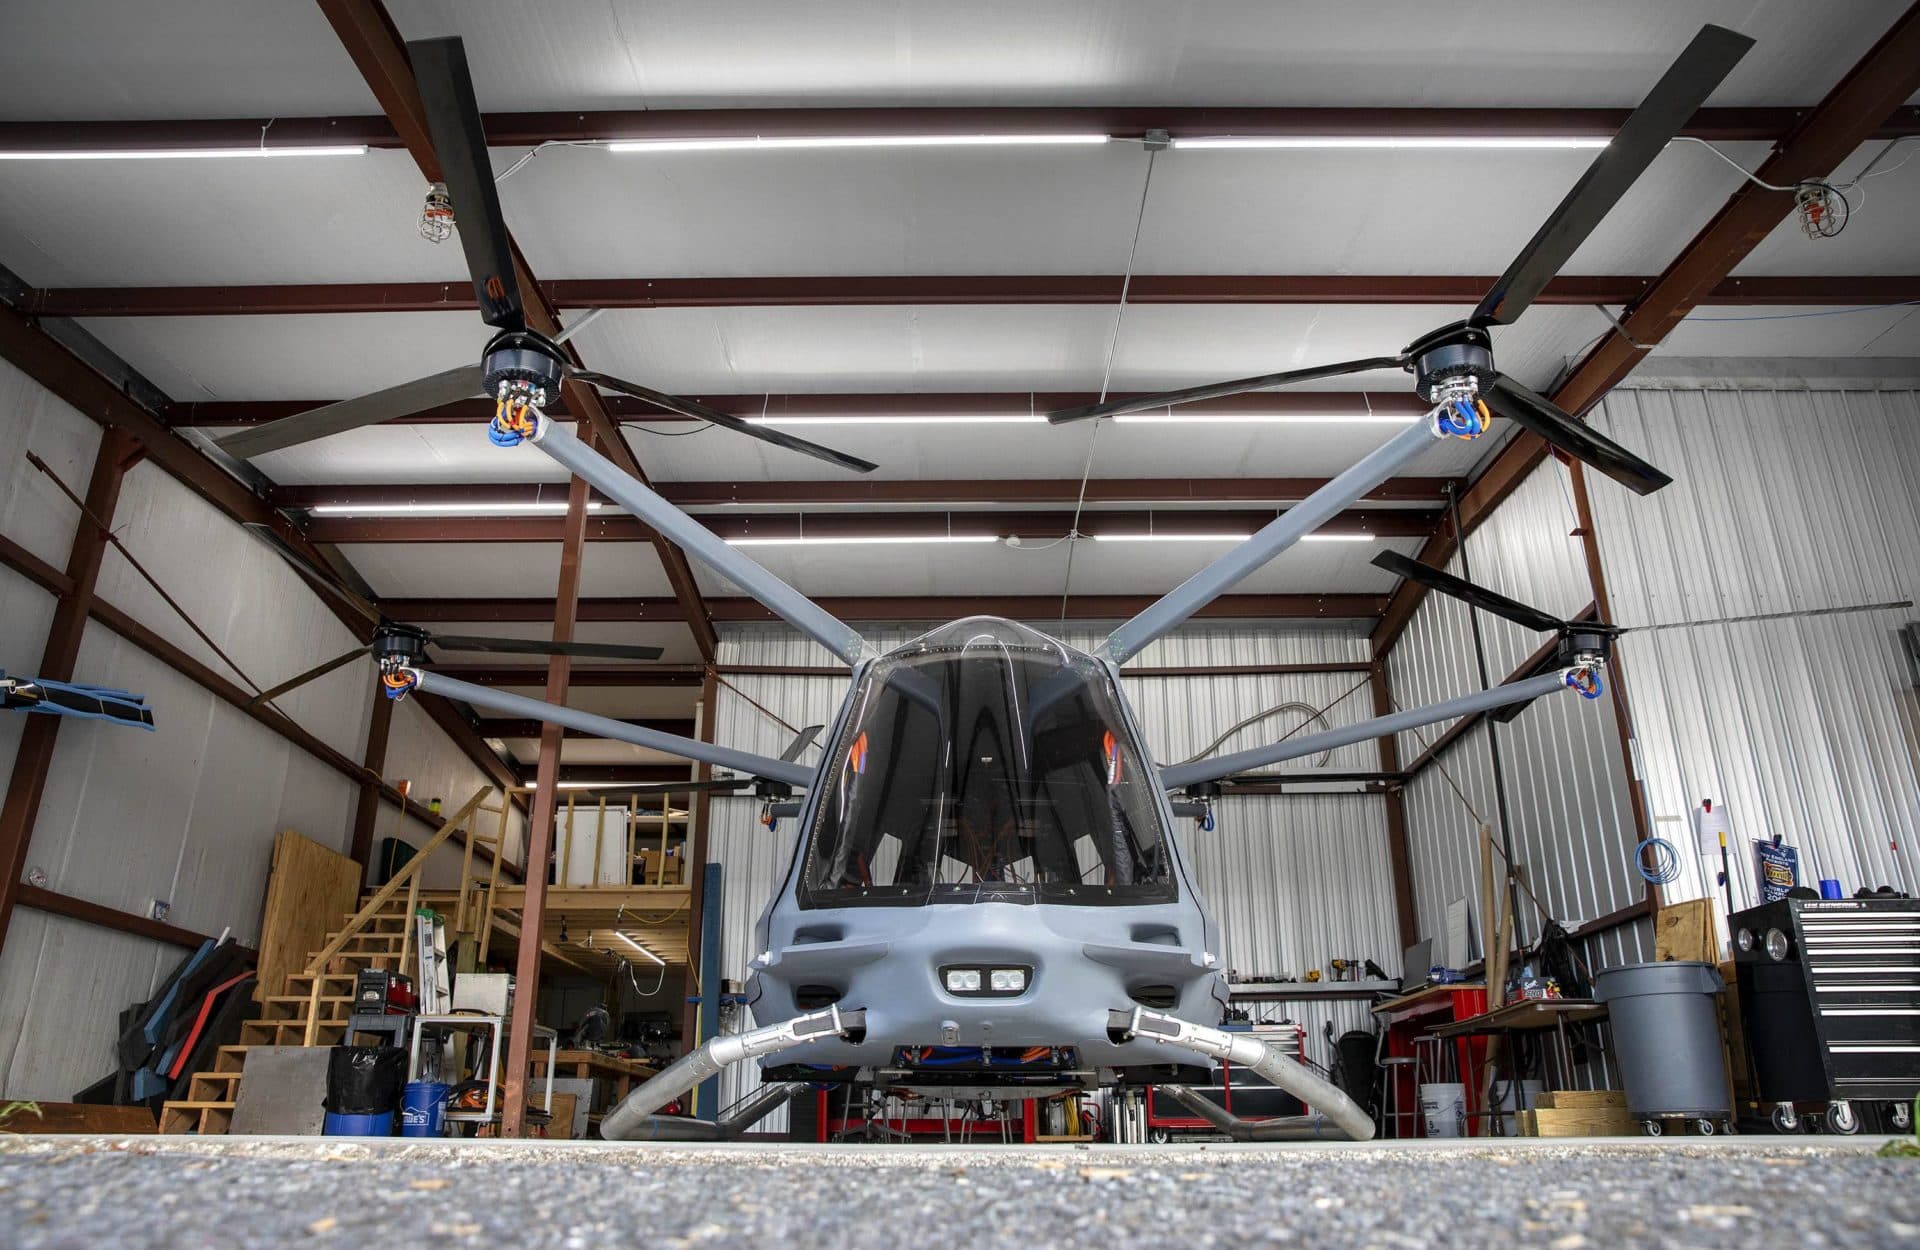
1530 1015
591 1063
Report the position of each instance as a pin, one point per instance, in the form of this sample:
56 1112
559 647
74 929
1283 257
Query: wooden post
32 761
533 911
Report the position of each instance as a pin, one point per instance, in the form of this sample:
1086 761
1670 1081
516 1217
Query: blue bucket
423 1104
380 1124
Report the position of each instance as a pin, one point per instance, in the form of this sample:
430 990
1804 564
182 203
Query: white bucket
1443 1109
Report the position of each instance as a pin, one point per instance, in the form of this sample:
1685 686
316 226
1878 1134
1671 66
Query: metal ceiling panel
506 570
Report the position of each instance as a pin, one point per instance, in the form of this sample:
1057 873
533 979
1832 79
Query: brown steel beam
280 299
33 759
367 810
374 43
365 38
54 903
1399 850
702 979
540 830
477 412
841 491
1851 114
881 608
621 528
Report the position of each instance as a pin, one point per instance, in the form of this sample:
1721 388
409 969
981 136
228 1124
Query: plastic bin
340 1124
423 1106
1666 1037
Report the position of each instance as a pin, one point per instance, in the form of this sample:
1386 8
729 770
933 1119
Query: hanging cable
1106 379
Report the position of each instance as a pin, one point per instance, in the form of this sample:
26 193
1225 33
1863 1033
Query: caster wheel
1841 1119
1784 1119
1159 1137
1902 1115
1652 1128
1704 1127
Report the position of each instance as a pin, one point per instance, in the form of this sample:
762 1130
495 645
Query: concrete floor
68 1193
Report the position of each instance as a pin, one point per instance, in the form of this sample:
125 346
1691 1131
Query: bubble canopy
985 761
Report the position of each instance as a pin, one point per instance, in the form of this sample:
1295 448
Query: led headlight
1776 945
1746 939
1007 980
963 980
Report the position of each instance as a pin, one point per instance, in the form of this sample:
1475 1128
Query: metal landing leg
634 1117
1336 1114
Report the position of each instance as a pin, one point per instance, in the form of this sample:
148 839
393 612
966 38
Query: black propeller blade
717 786
317 671
1661 115
1536 412
801 741
726 420
460 141
373 408
1217 390
529 646
1464 590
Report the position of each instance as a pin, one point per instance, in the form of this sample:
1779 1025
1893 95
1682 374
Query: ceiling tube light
980 418
643 950
1445 143
1336 538
531 507
1268 418
851 540
1224 538
177 154
745 143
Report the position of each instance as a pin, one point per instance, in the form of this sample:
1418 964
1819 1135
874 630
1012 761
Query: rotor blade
1464 590
1217 390
307 569
372 408
1667 108
1541 415
801 741
530 646
693 408
319 670
460 141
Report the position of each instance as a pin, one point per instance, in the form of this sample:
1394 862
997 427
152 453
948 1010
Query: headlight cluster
988 982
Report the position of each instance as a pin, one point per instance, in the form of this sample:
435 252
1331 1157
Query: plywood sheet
1685 931
283 1090
310 892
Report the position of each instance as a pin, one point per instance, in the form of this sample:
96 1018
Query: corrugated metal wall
1572 825
1796 500
187 814
1293 880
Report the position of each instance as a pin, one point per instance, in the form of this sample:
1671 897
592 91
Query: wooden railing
409 877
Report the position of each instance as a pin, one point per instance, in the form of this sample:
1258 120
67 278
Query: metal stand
634 1117
1336 1115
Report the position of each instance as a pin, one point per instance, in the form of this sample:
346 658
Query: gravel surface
140 1193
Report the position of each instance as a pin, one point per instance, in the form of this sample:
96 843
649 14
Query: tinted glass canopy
986 761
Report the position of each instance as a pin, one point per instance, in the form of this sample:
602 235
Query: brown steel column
379 727
533 916
700 815
1616 676
21 807
1399 851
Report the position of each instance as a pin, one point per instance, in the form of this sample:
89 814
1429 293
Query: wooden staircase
296 1018
314 1005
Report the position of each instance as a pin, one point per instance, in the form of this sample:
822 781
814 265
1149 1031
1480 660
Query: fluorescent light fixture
530 507
892 540
1268 418
760 142
1445 143
1224 538
643 950
978 418
178 154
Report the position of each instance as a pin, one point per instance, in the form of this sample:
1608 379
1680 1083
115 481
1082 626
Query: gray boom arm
619 731
1232 568
1379 727
701 543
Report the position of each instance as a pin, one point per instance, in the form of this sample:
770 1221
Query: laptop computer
1416 967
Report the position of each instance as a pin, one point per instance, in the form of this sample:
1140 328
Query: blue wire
1666 861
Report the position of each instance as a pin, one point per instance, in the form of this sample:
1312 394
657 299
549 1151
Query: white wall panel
25 613
1786 501
62 986
33 512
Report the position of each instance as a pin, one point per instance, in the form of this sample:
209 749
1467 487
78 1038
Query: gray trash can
1666 1037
